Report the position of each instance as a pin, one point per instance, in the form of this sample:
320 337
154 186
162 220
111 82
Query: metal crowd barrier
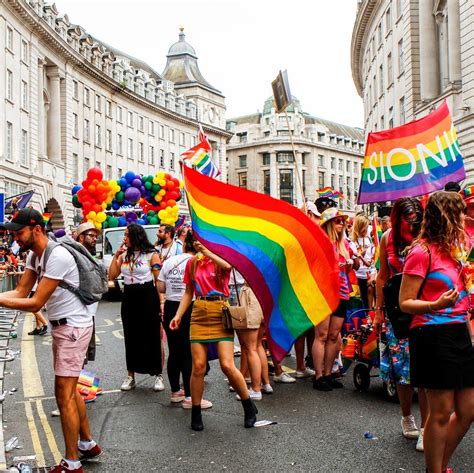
8 282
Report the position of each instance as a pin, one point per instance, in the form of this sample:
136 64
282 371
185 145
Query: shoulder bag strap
235 286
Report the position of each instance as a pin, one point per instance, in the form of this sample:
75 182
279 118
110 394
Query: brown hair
330 228
401 209
360 222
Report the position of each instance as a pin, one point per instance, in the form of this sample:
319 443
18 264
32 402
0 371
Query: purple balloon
132 194
137 183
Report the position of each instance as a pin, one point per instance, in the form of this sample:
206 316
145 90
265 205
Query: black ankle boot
250 412
196 418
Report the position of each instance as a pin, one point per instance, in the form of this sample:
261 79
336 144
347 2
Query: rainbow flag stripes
198 156
287 260
411 160
329 192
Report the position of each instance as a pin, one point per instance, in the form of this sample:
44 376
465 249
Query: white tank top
138 269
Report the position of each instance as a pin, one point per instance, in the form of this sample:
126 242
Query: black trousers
179 346
363 288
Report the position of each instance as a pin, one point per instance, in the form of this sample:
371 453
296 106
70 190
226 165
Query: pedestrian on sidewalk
207 278
139 264
71 328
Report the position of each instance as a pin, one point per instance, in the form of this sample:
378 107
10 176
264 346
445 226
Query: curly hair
189 240
403 208
138 241
443 224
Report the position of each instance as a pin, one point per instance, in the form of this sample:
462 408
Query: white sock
73 464
86 444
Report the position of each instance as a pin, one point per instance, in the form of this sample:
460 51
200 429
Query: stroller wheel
361 377
390 390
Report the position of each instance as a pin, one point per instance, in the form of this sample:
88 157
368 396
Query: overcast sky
241 45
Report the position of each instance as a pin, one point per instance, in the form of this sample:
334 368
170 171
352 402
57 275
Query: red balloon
91 189
171 203
170 185
95 173
162 204
97 208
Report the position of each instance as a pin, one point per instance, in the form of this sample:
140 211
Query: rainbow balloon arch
154 197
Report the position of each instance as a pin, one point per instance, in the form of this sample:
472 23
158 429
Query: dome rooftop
181 46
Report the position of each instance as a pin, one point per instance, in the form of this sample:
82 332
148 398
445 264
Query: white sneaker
187 404
307 373
284 378
409 428
419 443
128 384
55 413
267 389
254 395
159 385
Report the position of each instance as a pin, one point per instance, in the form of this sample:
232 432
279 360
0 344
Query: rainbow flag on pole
198 156
376 236
287 260
47 217
411 160
329 192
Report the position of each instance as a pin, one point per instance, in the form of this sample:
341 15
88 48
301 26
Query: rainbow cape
286 259
411 160
198 156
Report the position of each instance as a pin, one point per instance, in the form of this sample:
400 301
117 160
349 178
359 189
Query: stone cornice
53 40
364 15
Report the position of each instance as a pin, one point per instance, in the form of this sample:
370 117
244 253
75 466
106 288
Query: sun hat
84 227
330 214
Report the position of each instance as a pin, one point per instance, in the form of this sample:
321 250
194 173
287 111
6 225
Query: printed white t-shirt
172 274
63 303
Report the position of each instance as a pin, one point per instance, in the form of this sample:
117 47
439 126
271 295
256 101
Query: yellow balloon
98 225
162 192
101 217
91 215
162 182
181 184
160 175
156 180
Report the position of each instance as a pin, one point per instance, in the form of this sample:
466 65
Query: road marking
53 446
34 435
97 339
108 323
32 386
117 334
50 398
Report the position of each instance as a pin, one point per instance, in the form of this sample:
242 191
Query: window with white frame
340 165
75 125
87 97
162 158
182 139
162 132
379 33
75 89
119 114
9 85
98 103
98 136
399 8
321 160
172 161
382 122
130 119
24 148
388 21
402 110
108 108
401 59
24 51
140 152
87 165
119 144
130 148
321 179
87 130
151 156
9 38
108 172
389 69
171 135
108 142
141 125
75 168
24 95
381 82
151 128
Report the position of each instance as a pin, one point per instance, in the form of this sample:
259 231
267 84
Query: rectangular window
24 51
333 163
75 89
242 179
375 88
98 137
399 8
24 148
75 168
242 137
151 156
402 111
119 114
162 158
266 182
108 172
130 148
333 181
341 186
285 157
98 104
379 34
87 130
9 85
119 145
340 165
388 21
162 132
320 160
140 152
182 139
97 165
141 125
321 179
9 38
119 172
172 161
130 119
108 108
348 166
286 185
24 95
75 125
382 122
401 65
87 165
87 97
171 135
151 128
108 143
266 159
390 117
389 69
381 84
243 161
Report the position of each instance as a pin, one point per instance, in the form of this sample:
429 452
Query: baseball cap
84 227
323 203
313 209
23 218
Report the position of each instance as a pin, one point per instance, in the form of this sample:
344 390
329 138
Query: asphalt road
141 431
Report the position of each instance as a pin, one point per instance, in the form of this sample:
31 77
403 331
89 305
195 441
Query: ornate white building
327 154
408 56
69 102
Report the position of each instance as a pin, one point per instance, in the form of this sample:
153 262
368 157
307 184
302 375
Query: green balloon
153 220
113 222
155 188
149 178
148 185
150 213
120 196
105 224
75 201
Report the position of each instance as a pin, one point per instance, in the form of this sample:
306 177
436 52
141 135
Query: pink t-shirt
345 288
444 274
204 281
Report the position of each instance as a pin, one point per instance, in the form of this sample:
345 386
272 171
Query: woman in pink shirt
441 350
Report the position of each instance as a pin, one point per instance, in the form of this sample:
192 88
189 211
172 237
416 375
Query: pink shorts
69 349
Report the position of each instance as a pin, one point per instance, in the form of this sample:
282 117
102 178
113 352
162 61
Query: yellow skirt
206 322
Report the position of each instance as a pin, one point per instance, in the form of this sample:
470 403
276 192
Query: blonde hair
360 222
330 228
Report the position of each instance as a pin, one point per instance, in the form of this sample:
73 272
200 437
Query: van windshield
113 239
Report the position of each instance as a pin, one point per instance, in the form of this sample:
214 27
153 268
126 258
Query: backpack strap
47 253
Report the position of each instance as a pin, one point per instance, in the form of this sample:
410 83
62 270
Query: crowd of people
179 287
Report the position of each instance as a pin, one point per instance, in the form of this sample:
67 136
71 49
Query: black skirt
441 357
141 328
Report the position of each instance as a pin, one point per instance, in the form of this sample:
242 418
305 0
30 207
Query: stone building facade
408 56
69 102
260 155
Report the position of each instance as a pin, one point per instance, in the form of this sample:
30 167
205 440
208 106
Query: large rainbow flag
199 156
411 160
287 260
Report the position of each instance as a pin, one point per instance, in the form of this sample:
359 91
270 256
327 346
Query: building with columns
408 56
69 102
260 155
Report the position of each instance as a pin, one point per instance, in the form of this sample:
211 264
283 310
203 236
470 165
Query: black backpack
400 320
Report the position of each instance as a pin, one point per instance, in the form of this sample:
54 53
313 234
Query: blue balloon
123 182
140 221
115 205
122 221
76 189
130 176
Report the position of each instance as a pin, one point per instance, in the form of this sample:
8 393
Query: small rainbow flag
329 192
47 217
198 156
286 259
411 160
376 236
